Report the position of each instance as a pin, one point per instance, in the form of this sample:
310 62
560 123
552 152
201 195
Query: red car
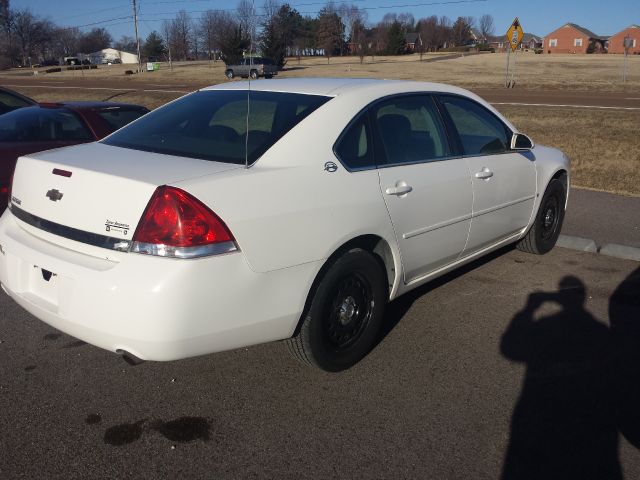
53 125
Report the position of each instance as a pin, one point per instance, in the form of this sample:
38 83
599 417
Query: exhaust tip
129 357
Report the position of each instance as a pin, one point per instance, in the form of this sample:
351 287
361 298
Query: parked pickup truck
252 67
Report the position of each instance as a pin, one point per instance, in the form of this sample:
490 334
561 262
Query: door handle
484 174
399 189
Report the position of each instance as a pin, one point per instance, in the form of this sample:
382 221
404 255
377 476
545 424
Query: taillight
176 224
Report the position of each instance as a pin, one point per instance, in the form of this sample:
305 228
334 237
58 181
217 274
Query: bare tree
486 27
270 8
429 33
248 21
444 31
180 35
407 21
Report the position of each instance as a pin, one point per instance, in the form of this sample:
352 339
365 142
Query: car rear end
108 244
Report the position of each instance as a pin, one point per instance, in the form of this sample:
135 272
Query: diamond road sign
515 34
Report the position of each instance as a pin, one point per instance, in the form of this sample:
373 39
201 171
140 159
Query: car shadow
399 307
580 387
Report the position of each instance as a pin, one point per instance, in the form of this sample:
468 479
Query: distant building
572 38
529 42
616 42
413 41
110 55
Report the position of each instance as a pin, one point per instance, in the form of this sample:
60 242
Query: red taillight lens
179 221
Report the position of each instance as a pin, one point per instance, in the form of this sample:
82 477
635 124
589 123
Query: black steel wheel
345 313
544 232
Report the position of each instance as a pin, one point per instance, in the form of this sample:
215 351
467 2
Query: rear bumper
155 308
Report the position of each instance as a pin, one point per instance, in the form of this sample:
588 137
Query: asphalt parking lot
478 374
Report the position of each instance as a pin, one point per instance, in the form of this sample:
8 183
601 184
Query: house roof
527 37
583 30
412 37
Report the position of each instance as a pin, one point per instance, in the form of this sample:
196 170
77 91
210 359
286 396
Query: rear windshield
118 117
33 124
212 125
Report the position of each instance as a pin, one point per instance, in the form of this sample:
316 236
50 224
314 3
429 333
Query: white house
109 55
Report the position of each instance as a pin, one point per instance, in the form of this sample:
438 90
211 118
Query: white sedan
288 209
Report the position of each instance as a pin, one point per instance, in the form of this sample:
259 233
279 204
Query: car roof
337 86
84 105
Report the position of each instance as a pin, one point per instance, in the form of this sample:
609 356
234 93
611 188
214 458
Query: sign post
628 42
514 38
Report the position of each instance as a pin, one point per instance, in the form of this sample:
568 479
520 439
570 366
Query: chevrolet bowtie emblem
54 195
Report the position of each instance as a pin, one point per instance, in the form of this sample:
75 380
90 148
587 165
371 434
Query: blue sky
536 16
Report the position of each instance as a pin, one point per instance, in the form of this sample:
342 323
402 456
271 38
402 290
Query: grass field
604 145
557 72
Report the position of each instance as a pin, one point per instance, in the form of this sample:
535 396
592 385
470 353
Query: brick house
413 42
616 42
572 38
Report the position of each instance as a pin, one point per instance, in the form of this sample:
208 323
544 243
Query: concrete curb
610 249
577 243
621 251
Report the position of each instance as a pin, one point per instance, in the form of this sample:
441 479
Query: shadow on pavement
580 387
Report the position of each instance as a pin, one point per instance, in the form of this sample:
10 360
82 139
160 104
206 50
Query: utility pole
135 23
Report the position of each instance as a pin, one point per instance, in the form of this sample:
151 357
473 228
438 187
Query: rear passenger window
354 148
480 131
411 130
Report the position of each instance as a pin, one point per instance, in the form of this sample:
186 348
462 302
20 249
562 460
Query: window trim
577 42
553 43
456 135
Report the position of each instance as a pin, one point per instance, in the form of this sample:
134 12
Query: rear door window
212 125
411 130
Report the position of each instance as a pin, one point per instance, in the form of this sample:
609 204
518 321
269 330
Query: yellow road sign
515 34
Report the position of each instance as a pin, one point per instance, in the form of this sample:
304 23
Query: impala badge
54 195
330 167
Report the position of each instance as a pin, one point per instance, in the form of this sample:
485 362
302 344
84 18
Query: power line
129 18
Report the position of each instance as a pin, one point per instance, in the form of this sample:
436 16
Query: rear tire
346 312
544 232
253 74
229 74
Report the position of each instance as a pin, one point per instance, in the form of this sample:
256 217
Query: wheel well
370 243
563 177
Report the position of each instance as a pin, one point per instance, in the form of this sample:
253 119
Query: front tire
253 74
346 312
229 74
544 232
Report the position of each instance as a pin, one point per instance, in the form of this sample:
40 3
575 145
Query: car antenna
246 136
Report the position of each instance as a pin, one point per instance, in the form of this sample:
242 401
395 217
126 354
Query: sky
539 17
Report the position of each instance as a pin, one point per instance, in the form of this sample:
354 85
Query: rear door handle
399 189
484 174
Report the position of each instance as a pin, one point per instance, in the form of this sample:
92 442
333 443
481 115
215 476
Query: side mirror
519 141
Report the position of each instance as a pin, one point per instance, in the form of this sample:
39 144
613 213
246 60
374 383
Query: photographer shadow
564 425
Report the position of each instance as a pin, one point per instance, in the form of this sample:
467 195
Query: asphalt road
580 99
464 384
603 217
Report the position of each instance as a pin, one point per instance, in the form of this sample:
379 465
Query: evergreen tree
279 33
153 46
396 44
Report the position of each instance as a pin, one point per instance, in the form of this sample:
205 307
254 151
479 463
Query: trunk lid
105 195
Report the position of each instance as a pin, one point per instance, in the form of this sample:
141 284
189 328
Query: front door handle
484 174
400 189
